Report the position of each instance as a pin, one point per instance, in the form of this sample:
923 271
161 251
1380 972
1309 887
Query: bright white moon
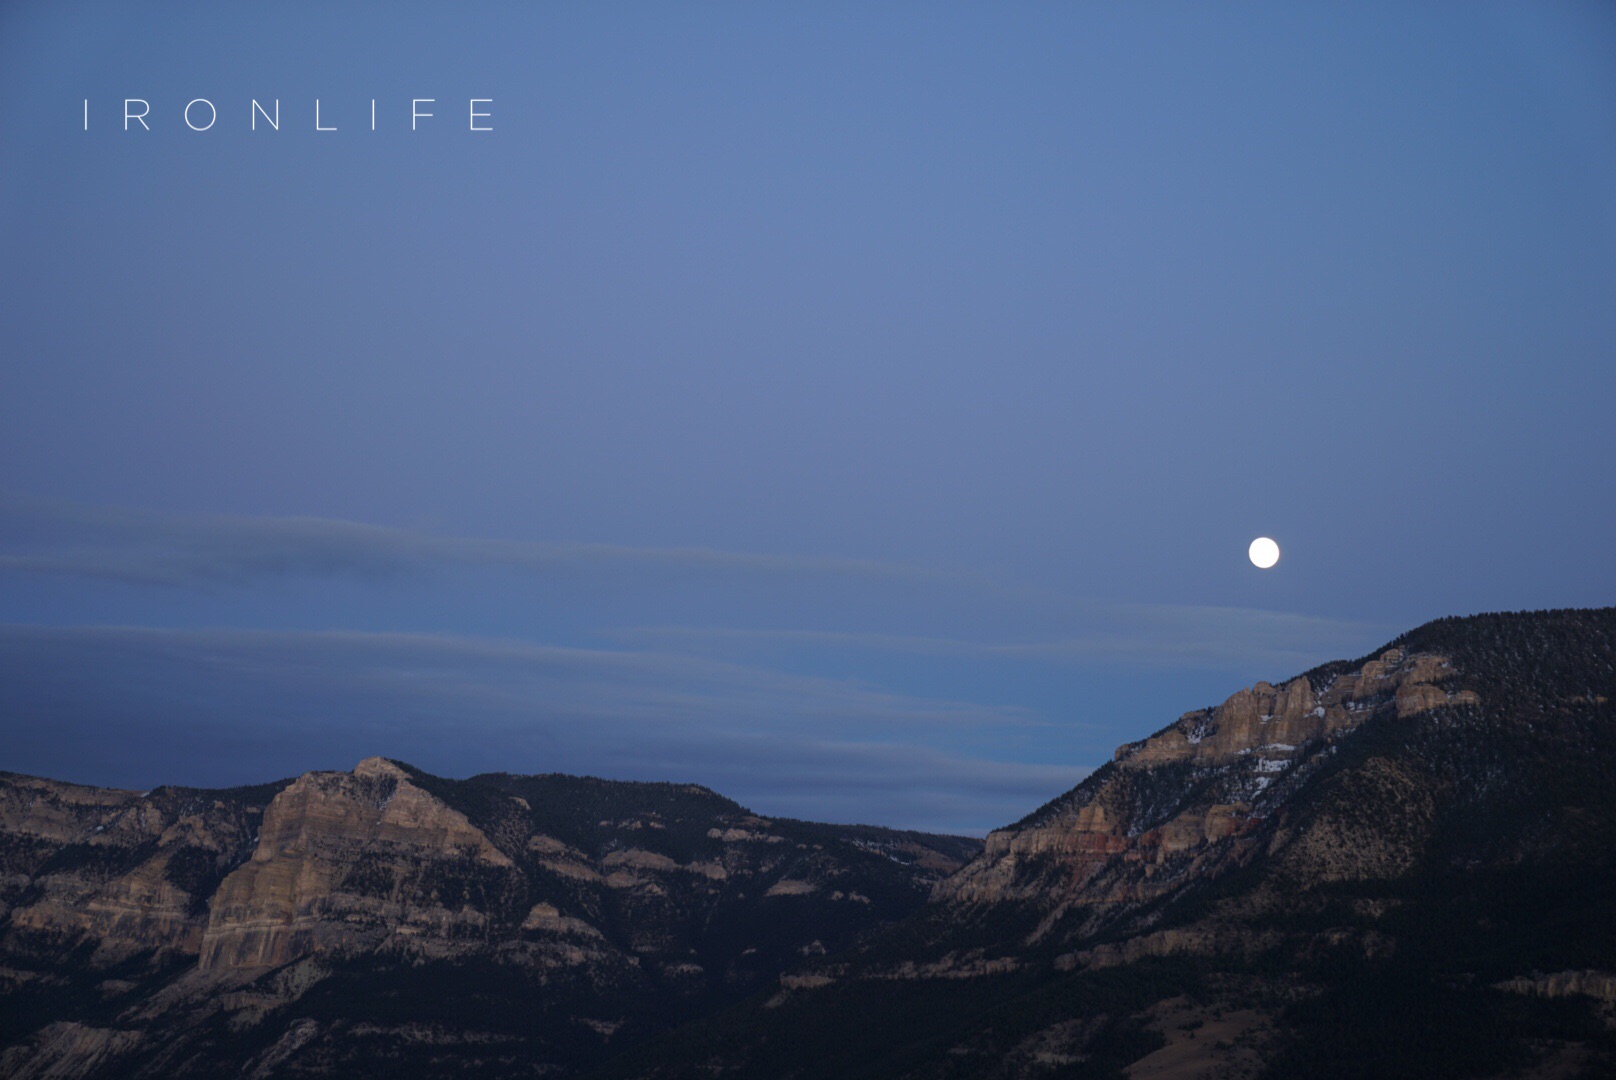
1264 553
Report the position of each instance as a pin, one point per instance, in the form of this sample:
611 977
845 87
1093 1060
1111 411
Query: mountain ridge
177 919
1438 837
1395 866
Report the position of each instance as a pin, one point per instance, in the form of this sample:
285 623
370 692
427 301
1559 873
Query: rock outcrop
1599 985
1342 875
127 872
198 919
304 890
1186 802
1360 871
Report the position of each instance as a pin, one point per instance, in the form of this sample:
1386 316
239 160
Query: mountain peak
1186 803
1372 869
602 908
380 767
1415 842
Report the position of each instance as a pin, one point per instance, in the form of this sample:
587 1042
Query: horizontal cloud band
242 706
144 547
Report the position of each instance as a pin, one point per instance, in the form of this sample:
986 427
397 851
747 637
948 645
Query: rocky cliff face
181 932
122 872
303 890
1403 865
1186 803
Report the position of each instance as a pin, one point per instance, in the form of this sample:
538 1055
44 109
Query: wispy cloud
143 706
769 714
209 551
1140 634
43 536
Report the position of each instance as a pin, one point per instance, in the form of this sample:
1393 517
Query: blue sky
862 409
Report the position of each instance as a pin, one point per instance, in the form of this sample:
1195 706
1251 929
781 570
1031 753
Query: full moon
1264 553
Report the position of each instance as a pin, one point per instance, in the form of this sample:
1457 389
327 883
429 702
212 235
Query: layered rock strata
143 930
1186 802
294 897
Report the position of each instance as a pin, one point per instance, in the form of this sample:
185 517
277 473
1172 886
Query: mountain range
1398 865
